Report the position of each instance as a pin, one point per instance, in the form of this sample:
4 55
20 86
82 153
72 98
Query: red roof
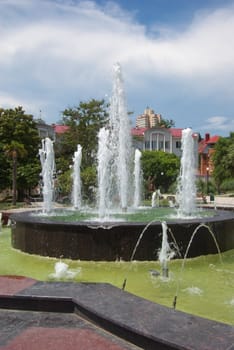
138 131
213 139
60 129
176 132
203 143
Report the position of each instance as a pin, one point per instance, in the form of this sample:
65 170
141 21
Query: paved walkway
64 315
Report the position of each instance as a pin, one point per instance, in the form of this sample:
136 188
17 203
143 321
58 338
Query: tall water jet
120 138
104 158
48 171
165 253
137 178
76 190
186 187
155 198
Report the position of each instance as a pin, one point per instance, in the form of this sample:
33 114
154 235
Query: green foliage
88 180
206 188
84 123
160 169
227 185
28 175
18 148
64 183
223 160
17 126
88 177
166 123
201 186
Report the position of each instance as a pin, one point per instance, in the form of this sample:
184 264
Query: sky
176 56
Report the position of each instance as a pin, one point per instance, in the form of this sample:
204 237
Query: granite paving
66 315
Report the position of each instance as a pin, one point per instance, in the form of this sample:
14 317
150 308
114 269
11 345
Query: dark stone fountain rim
32 217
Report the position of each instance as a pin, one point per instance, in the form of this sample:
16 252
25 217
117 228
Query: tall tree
160 169
14 151
19 146
223 160
166 123
84 123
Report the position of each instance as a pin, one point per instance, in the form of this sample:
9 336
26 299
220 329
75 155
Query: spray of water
115 152
48 171
165 253
120 137
137 178
76 190
186 187
186 254
103 170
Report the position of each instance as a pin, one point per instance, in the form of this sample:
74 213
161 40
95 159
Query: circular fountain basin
113 240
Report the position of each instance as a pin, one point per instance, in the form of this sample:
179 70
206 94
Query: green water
206 285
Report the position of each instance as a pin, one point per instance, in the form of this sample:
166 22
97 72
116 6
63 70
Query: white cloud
219 123
53 52
86 35
30 105
7 101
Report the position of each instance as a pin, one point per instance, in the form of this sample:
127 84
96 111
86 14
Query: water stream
48 172
186 254
76 190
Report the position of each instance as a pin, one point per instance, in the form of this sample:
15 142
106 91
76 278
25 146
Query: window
160 146
154 145
147 145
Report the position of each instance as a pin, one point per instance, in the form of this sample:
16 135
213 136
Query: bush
227 185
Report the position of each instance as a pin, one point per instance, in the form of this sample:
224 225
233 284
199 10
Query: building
206 150
160 139
59 130
45 130
148 119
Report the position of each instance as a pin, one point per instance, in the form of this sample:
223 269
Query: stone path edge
131 318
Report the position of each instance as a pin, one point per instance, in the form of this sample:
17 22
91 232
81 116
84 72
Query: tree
18 148
84 123
160 169
223 160
166 123
14 150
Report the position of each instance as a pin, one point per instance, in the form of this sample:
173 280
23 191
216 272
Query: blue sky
177 57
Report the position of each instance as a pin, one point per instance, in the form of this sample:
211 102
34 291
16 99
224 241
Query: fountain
120 137
165 253
186 189
155 198
137 178
113 237
76 190
48 171
103 173
114 153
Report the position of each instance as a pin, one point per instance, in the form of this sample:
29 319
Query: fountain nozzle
174 302
165 271
124 283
